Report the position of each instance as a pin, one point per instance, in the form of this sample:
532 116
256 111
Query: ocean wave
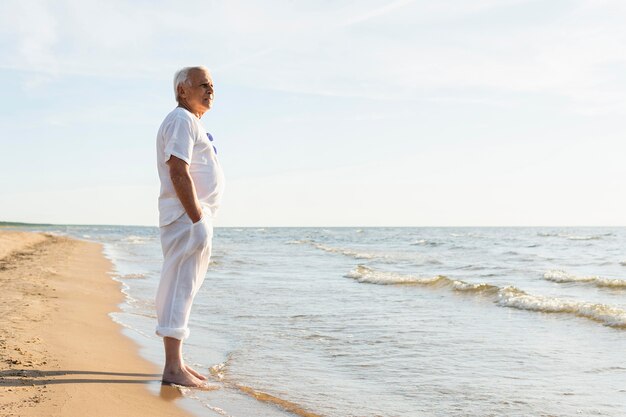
343 251
137 239
365 274
371 276
583 237
472 267
219 372
132 276
289 406
574 237
424 242
510 296
297 242
468 234
515 298
385 257
563 277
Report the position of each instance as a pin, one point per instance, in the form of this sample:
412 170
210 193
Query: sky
327 113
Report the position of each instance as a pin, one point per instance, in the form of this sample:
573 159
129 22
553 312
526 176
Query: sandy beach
60 352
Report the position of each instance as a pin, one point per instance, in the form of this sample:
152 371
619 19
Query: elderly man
192 183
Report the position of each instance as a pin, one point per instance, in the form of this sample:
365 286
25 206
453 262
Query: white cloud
35 31
335 50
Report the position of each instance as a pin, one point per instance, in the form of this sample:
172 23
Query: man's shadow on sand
21 377
34 377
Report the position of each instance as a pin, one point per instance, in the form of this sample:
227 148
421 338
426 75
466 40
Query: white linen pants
186 254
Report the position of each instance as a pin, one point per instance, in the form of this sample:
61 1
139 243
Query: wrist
196 216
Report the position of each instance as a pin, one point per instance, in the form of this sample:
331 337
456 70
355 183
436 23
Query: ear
181 90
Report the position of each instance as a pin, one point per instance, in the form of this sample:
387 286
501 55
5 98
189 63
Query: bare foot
181 377
195 373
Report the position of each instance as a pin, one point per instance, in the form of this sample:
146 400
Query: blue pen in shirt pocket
211 139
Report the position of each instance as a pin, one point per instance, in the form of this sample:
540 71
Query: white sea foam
515 298
372 276
218 370
387 257
297 242
364 274
511 297
563 277
132 276
574 237
346 252
137 240
424 242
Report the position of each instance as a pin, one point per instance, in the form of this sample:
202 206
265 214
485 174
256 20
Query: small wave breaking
388 257
609 316
574 237
343 251
296 242
289 406
563 277
584 237
219 372
510 296
132 276
137 240
424 242
368 275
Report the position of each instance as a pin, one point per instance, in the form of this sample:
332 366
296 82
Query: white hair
182 77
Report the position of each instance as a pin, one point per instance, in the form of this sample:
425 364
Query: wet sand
60 352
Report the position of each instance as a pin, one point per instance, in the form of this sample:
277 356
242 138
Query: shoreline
61 354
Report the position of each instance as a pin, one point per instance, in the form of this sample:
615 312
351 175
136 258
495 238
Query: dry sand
60 352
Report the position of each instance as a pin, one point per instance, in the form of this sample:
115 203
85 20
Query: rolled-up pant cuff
180 333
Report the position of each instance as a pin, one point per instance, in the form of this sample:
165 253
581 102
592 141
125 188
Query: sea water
393 322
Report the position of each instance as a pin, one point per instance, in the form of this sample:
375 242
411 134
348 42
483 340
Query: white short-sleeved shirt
181 134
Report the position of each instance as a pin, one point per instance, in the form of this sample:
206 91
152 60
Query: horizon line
17 224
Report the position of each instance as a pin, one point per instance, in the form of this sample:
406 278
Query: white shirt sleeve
179 139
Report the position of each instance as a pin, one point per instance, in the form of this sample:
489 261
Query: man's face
199 95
